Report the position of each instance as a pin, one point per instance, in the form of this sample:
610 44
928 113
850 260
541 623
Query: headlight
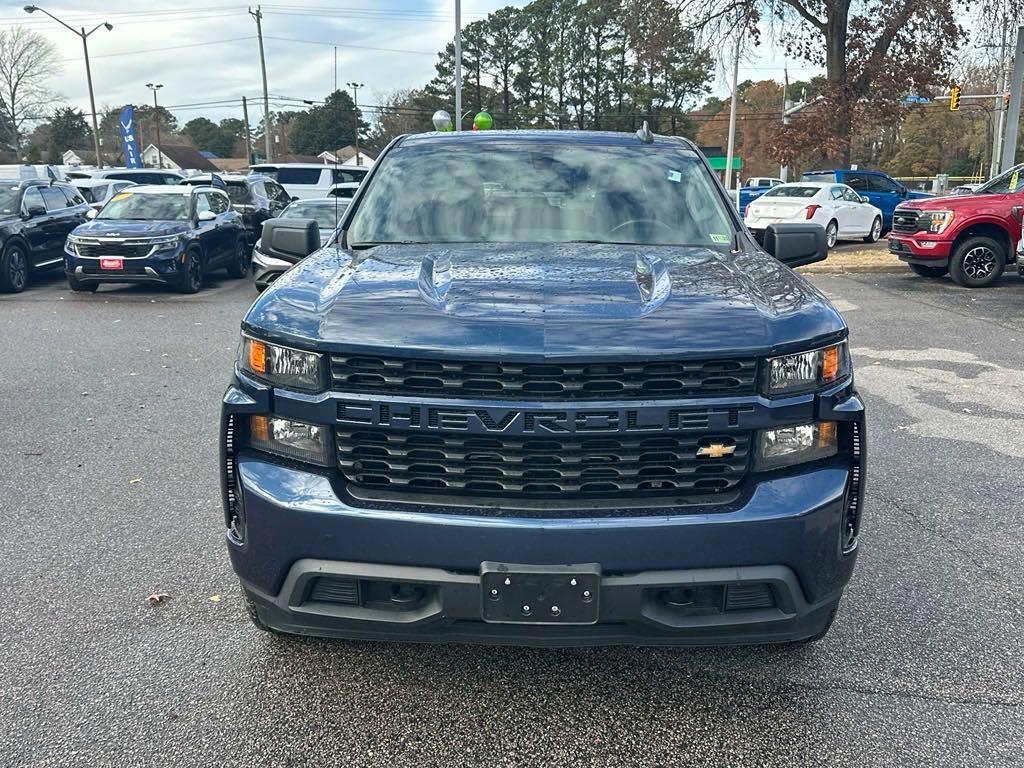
934 221
795 445
807 371
282 366
166 243
291 439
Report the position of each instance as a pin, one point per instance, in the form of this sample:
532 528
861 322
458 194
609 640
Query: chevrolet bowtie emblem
716 450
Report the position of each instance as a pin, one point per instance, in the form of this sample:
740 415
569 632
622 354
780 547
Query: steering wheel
634 222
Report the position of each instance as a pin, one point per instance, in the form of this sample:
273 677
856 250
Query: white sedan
843 213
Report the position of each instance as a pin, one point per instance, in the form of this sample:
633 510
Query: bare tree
27 60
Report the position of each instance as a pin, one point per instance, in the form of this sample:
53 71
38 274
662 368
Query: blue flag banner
126 123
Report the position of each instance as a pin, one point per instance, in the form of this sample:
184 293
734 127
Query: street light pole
732 111
154 87
88 71
355 114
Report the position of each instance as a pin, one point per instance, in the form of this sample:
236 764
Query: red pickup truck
970 237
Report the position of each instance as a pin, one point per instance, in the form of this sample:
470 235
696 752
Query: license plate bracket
540 594
111 263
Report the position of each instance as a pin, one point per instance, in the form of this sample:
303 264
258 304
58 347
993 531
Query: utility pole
786 104
732 110
154 87
997 134
1013 118
248 135
355 115
458 63
88 71
258 15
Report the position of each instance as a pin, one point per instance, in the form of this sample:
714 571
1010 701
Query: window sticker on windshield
121 196
1013 181
675 176
719 238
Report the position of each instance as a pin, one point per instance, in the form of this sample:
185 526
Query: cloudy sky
206 56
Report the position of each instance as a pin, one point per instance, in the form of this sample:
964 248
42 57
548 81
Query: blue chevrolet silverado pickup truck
542 388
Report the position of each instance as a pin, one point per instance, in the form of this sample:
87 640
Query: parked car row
151 225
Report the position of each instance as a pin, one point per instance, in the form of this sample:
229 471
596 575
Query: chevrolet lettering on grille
531 422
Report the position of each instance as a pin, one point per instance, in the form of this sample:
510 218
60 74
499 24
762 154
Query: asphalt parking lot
109 492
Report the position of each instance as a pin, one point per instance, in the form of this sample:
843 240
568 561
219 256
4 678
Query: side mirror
92 213
290 239
294 198
35 210
207 216
796 244
903 192
864 199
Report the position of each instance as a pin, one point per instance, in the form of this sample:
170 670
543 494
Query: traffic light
954 98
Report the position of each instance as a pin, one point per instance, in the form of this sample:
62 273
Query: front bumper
160 267
920 249
299 524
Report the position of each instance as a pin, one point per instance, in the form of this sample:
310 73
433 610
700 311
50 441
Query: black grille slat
566 467
905 221
113 250
543 381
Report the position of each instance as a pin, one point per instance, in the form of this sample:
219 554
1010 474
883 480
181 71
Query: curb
853 268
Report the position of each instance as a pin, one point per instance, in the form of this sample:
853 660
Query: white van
306 180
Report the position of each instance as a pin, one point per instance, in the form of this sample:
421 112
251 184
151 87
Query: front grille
544 381
566 467
904 221
113 250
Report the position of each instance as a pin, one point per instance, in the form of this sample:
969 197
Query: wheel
977 262
14 269
923 271
79 287
192 279
239 266
831 234
876 231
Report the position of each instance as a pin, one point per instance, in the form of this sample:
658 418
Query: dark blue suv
543 388
158 234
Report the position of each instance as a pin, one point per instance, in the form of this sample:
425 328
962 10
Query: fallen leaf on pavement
214 598
157 597
136 480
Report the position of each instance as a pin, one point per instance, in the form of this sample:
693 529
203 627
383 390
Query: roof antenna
644 134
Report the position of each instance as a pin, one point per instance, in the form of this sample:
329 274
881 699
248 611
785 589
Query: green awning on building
718 163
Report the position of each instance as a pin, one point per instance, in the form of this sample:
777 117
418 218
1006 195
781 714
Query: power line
349 45
166 48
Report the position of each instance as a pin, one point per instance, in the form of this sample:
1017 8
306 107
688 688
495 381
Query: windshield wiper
375 243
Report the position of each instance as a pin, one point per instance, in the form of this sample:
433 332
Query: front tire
14 269
876 231
922 271
192 273
977 262
240 261
831 234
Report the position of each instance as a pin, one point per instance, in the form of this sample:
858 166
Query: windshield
1007 182
269 171
792 192
8 199
239 193
155 207
93 194
326 214
519 191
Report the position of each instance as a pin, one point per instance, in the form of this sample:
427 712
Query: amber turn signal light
830 364
257 356
259 428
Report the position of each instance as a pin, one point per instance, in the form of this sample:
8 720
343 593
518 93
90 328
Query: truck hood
976 203
544 300
130 228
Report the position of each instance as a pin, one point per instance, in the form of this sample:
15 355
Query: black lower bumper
647 608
